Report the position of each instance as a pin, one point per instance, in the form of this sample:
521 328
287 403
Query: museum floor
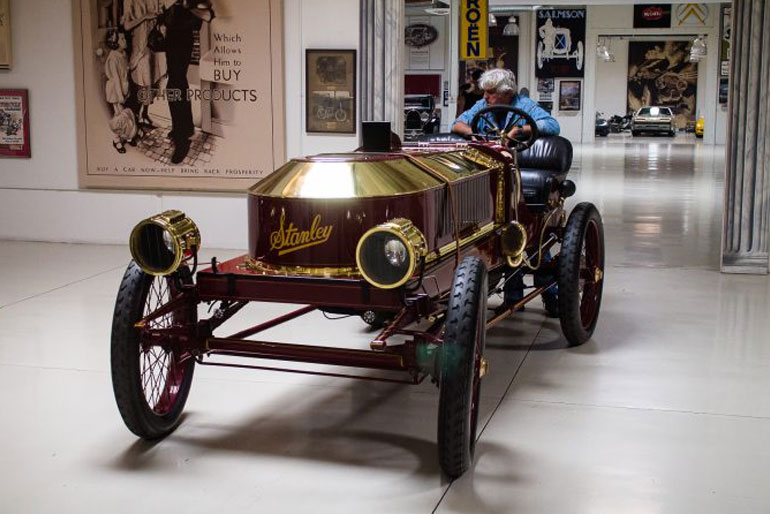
665 410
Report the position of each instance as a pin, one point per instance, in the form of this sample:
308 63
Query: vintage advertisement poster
660 74
179 94
331 91
14 123
5 35
561 35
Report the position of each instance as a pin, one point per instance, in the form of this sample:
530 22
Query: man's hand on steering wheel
513 134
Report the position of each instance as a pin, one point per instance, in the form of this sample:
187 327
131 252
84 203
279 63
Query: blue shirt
546 124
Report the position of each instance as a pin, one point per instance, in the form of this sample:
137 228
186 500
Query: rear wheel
151 381
635 133
581 273
460 367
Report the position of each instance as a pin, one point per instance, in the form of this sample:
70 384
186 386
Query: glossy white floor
665 410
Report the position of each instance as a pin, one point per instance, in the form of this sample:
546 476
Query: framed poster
569 95
5 35
179 95
14 123
330 91
561 35
671 85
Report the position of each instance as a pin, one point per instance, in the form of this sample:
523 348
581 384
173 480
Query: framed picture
199 109
5 35
14 123
545 85
330 91
547 106
569 95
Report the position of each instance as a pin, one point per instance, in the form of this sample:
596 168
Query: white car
653 120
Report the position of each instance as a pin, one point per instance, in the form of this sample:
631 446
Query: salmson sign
474 23
561 37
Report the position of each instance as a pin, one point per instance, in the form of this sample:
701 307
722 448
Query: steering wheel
493 131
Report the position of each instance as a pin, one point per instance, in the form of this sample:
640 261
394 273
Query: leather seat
546 161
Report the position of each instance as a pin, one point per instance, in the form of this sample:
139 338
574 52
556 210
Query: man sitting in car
499 86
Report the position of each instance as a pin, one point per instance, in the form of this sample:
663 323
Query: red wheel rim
161 368
481 327
591 275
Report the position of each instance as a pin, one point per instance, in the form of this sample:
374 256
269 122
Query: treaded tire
460 379
129 360
581 274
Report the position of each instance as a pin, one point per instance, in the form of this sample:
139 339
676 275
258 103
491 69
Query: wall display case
14 123
330 91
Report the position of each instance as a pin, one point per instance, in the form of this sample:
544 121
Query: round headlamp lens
395 251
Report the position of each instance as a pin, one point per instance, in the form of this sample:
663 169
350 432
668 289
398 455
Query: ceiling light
698 49
511 28
438 7
492 20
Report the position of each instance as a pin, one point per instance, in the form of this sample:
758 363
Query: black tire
581 273
460 367
134 367
635 133
376 319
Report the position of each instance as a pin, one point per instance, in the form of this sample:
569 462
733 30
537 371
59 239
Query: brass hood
366 175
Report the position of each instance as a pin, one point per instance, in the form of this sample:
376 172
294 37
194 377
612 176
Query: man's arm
546 124
462 124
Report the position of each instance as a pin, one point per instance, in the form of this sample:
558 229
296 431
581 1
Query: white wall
39 197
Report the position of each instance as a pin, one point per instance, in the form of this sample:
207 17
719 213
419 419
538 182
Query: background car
420 116
699 126
653 120
601 126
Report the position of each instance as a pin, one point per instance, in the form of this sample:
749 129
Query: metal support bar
500 316
414 381
273 322
307 353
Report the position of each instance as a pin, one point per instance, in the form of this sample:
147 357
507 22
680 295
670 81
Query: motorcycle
602 126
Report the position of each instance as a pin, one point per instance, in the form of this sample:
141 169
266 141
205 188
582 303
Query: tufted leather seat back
553 153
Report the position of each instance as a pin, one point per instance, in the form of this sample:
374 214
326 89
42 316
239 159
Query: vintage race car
413 239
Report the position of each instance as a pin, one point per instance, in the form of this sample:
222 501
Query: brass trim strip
253 265
451 247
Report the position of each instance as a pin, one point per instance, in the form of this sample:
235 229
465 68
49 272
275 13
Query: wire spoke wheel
151 378
581 273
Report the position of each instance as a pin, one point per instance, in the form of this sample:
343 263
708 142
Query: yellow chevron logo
692 14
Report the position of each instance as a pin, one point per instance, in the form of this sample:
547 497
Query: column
746 225
382 62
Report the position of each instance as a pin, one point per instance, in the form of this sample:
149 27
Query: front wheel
460 367
581 274
151 380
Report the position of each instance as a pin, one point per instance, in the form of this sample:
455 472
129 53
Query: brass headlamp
160 244
514 240
388 254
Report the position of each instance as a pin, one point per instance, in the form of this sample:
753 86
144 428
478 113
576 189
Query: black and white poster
661 74
179 94
561 37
